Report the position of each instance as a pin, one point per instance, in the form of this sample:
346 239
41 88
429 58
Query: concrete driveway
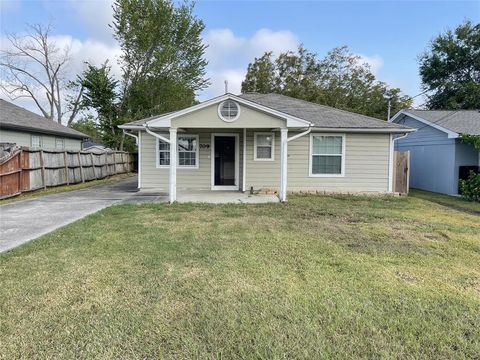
27 220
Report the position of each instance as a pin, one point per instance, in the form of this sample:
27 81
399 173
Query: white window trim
197 153
220 113
255 146
212 163
63 143
342 173
157 155
40 141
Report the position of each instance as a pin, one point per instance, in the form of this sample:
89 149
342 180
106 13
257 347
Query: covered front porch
218 165
226 144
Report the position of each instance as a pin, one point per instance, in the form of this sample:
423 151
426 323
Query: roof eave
42 131
451 134
365 130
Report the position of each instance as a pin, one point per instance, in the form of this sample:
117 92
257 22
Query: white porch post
244 163
172 183
283 163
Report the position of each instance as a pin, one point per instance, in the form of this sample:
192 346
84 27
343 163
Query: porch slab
224 197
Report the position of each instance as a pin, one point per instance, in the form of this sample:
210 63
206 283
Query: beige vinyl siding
199 179
208 118
22 138
262 174
366 165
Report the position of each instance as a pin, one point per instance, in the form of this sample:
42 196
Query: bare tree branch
33 67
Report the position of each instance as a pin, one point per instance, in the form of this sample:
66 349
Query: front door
225 162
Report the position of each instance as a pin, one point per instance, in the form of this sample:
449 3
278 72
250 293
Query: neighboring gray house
25 128
239 143
436 152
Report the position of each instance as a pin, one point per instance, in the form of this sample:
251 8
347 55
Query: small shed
438 156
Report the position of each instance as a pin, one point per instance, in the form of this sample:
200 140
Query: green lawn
449 201
319 277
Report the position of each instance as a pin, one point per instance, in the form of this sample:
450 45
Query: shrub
470 188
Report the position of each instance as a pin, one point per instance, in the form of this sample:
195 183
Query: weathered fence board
27 169
13 179
401 171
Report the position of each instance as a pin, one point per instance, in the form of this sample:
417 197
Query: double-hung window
163 153
327 155
36 141
264 145
59 143
187 152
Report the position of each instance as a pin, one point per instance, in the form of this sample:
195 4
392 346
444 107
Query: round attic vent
228 110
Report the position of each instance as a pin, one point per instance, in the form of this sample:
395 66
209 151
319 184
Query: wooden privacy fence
401 171
27 169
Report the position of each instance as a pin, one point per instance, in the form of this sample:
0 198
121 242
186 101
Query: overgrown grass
448 201
330 277
64 188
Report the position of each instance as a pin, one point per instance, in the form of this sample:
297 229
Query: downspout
139 159
301 134
132 135
284 162
147 129
172 183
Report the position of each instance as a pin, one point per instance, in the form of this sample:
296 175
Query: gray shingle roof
18 118
459 121
143 121
320 115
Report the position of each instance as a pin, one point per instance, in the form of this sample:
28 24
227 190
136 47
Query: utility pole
389 98
226 86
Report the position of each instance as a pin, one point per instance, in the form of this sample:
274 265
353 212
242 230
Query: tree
87 125
339 80
33 67
162 66
100 94
260 75
450 69
163 60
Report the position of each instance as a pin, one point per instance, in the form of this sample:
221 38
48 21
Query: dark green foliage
450 69
100 94
339 80
471 139
470 188
162 56
162 65
260 75
87 125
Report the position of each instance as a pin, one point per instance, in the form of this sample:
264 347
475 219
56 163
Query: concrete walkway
26 220
224 197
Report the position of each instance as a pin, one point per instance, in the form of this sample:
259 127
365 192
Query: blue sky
388 34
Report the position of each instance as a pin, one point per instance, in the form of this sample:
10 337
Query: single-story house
436 149
264 142
25 128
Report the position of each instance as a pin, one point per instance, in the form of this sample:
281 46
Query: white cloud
229 55
234 78
375 62
93 51
96 17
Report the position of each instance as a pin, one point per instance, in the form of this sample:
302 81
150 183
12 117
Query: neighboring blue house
436 152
